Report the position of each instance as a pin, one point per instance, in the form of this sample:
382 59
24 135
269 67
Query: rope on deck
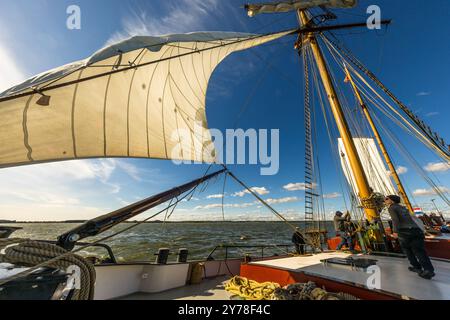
29 253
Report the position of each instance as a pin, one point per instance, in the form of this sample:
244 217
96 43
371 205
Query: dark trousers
300 248
345 240
412 242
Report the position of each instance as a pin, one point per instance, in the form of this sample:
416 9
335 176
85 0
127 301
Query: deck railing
226 248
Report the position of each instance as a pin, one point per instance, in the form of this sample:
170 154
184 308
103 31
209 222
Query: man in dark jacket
340 227
299 242
410 236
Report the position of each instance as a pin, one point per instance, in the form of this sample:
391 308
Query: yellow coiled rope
251 290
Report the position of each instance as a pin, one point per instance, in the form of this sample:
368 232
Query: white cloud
123 202
282 200
293 215
297 186
241 205
57 173
129 169
182 16
259 190
215 196
227 205
402 170
190 199
10 73
46 212
437 167
429 192
432 114
333 195
423 94
69 184
42 197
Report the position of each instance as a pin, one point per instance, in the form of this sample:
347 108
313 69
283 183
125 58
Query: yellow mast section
355 162
381 144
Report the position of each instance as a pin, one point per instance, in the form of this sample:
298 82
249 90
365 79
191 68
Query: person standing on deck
299 242
411 238
339 225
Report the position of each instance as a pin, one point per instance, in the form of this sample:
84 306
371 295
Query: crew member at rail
411 238
340 227
299 241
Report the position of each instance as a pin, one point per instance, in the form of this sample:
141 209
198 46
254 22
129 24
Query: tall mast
381 144
355 162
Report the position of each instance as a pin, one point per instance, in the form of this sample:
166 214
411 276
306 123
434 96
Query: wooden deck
396 280
209 289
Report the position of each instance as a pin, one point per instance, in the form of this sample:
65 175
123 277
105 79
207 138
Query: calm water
142 242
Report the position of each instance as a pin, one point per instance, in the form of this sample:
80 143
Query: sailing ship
128 99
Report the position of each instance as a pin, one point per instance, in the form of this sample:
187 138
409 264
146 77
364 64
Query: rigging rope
268 206
364 144
412 160
328 122
372 99
312 163
434 141
223 195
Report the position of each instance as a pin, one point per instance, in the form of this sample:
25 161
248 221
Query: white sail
132 99
377 174
286 6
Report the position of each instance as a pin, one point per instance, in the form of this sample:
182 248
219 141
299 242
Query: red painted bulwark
263 274
284 277
438 248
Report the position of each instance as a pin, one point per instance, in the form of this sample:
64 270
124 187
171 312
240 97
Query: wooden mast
381 144
365 192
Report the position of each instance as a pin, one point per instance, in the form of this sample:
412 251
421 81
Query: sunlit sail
373 165
136 98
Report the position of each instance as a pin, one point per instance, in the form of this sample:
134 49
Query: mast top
294 5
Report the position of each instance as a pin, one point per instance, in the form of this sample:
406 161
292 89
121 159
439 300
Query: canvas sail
377 174
143 98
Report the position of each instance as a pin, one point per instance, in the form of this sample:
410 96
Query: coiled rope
252 290
32 253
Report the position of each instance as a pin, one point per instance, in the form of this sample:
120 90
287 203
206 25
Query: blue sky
411 58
